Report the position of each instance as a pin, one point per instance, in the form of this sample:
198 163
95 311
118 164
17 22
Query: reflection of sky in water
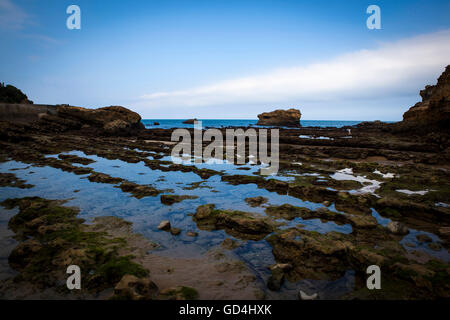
98 199
410 238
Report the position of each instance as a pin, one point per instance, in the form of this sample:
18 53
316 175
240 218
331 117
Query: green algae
52 238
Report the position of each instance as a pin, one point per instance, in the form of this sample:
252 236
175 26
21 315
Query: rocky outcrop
434 109
16 109
113 119
284 118
10 94
190 121
133 288
243 225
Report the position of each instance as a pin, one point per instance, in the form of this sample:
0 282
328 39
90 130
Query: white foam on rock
315 138
347 174
409 192
384 175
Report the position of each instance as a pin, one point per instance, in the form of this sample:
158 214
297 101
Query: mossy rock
52 238
179 293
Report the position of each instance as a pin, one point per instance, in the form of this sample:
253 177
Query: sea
219 123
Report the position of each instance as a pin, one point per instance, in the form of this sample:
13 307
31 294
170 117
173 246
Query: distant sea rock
285 118
190 121
433 112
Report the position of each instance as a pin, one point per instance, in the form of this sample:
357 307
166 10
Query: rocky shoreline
385 185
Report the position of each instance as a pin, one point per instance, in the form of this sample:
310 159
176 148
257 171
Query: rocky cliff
284 118
433 112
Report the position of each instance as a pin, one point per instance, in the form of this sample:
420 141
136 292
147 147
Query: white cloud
392 69
12 16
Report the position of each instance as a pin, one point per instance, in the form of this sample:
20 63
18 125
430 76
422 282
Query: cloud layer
393 69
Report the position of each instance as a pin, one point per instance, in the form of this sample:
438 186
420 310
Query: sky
226 59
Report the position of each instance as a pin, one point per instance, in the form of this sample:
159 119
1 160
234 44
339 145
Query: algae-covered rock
169 199
256 201
132 288
52 238
244 225
179 293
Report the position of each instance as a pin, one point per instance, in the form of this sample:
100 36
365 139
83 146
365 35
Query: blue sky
227 59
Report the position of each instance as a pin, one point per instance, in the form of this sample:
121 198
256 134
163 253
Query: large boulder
434 110
113 120
284 118
109 120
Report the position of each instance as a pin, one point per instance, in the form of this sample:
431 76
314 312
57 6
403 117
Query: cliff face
434 109
285 118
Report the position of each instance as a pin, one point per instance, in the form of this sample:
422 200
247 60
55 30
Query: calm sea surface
218 123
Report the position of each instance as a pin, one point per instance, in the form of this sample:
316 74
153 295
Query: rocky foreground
400 171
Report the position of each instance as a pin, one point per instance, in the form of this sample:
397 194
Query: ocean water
218 123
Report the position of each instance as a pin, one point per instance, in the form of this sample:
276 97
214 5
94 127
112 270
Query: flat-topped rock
190 121
284 118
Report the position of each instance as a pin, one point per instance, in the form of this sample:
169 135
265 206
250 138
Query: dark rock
169 199
175 231
138 191
230 244
179 293
435 246
243 225
285 118
397 228
434 110
113 120
10 180
103 178
423 238
190 121
164 225
10 94
256 201
276 279
133 288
